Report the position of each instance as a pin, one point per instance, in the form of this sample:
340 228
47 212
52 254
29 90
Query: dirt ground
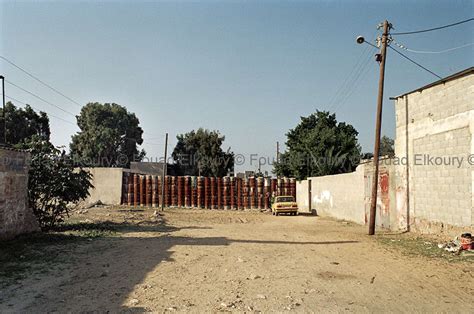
212 261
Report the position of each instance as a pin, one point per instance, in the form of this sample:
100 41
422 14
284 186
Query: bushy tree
200 153
109 136
318 146
387 146
53 183
23 123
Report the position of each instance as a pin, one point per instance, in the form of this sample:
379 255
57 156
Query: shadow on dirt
109 277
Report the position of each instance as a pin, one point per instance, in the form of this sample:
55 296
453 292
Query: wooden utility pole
165 168
378 126
4 114
278 151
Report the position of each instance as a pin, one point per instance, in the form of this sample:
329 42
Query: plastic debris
464 242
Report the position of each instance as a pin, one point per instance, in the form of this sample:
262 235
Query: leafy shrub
53 183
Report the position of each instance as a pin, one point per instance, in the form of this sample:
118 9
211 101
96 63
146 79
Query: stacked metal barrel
204 192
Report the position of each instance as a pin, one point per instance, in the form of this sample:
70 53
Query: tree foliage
319 146
200 153
53 183
109 136
387 146
22 124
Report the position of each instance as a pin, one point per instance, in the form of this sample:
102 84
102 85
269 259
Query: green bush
53 183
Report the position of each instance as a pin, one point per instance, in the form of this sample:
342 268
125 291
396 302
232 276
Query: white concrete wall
302 196
340 196
438 122
107 185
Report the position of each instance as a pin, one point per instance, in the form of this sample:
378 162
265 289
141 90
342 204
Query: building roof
151 168
441 81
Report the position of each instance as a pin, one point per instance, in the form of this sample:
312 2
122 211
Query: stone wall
15 215
434 134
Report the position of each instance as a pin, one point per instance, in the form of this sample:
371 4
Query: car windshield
285 199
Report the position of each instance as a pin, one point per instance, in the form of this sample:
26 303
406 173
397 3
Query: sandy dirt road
211 261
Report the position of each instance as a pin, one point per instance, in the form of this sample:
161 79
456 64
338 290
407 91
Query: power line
431 52
363 69
435 28
356 84
348 77
42 82
49 114
415 62
38 97
351 79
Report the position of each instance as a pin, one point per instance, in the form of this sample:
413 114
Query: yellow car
284 204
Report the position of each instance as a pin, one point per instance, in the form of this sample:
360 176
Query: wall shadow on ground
123 263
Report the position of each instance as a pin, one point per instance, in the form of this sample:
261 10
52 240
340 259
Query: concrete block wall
442 193
107 184
436 122
15 216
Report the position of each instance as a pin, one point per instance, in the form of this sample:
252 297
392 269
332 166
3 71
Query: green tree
200 153
319 146
387 146
53 183
109 136
23 123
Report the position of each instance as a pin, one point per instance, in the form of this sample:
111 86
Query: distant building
245 174
152 168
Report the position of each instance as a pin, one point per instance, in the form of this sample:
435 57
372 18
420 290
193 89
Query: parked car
284 204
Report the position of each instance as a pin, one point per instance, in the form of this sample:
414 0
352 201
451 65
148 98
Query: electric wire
64 120
430 52
38 97
434 28
414 62
39 80
351 79
347 78
49 114
362 74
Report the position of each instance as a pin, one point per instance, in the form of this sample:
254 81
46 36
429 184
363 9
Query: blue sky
249 69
